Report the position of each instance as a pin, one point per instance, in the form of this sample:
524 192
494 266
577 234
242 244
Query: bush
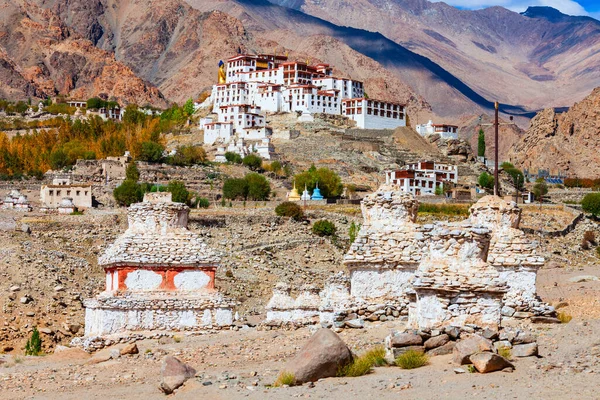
444 209
258 187
589 236
128 192
376 356
591 203
353 231
235 189
564 317
285 378
275 167
505 352
358 367
486 181
329 182
290 209
203 202
187 155
324 227
412 359
151 152
34 344
179 191
233 158
132 173
252 161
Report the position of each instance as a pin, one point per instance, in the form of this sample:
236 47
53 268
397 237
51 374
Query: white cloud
569 7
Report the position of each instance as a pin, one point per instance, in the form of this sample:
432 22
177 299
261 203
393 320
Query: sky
589 8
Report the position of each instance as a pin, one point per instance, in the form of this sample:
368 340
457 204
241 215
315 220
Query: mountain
563 142
539 59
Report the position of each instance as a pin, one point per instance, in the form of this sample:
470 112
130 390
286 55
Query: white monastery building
445 131
422 178
252 85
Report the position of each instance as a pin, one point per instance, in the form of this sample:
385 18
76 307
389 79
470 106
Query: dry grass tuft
505 352
376 356
285 379
564 317
412 359
358 367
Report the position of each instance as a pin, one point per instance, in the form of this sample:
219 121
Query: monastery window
376 112
369 111
51 192
68 192
359 111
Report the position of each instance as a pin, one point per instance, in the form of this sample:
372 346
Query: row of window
59 192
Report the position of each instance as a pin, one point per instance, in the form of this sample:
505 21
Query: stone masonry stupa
159 276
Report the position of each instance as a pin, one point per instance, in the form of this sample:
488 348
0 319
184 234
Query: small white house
446 132
374 114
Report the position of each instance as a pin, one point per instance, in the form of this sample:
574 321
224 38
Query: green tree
486 181
132 173
329 181
540 189
276 167
95 103
591 204
151 152
59 159
179 191
258 186
188 107
33 347
233 158
517 177
133 116
187 155
128 192
235 189
252 161
481 143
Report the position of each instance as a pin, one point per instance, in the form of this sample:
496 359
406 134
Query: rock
489 362
489 334
468 346
355 323
507 311
173 374
436 341
130 349
45 331
25 228
59 288
74 328
525 350
25 299
405 339
508 334
442 350
321 357
101 356
545 320
522 314
15 288
583 278
453 332
459 371
524 337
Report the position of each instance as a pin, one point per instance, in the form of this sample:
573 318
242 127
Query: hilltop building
445 131
252 85
423 177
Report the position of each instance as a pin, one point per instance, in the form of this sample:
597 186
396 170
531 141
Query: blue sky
571 7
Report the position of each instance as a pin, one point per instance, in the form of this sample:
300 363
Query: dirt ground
260 250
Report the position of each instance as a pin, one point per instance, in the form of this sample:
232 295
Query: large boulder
321 357
404 339
436 341
489 362
468 346
525 350
173 374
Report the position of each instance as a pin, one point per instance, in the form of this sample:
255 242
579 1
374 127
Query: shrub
564 317
187 155
179 191
486 181
232 157
353 231
591 203
132 173
290 209
128 192
275 167
445 209
34 344
235 189
324 227
505 352
252 161
285 378
151 152
177 339
376 356
412 359
77 213
258 186
329 182
358 367
203 202
585 245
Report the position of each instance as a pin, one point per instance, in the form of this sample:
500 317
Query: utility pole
496 123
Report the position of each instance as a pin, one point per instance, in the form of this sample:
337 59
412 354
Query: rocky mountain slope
539 59
566 142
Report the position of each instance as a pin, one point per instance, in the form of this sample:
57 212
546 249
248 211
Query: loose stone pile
445 274
159 277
